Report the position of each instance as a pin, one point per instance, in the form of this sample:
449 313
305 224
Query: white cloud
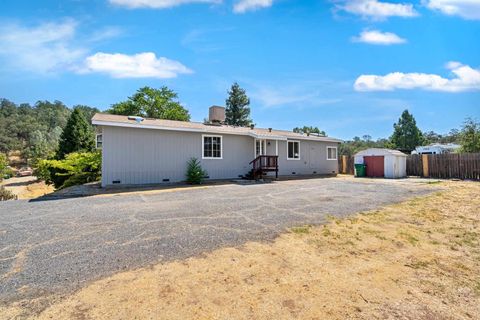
465 79
243 6
157 4
55 47
141 65
468 9
379 38
105 33
46 48
289 95
377 9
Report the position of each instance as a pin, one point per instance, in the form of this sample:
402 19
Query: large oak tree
152 103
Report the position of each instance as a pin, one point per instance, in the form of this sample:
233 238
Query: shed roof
380 152
104 119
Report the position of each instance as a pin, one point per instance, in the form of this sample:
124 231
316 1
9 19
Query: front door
260 147
314 157
375 166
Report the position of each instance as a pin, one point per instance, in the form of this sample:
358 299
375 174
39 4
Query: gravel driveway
57 246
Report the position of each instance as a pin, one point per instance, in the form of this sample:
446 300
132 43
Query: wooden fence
446 166
442 166
345 165
414 165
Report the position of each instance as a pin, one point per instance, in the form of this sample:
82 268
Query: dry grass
416 260
27 187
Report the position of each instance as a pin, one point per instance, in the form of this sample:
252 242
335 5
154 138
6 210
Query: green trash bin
360 170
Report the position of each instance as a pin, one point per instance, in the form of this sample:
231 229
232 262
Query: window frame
336 153
299 154
96 140
203 146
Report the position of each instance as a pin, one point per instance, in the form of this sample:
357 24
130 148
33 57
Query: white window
331 153
99 140
258 147
212 147
293 152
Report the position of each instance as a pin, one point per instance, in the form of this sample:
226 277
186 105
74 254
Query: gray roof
380 152
104 119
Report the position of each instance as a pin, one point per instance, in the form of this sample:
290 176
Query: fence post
344 164
425 164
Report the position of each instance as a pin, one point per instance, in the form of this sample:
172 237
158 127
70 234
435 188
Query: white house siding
313 159
148 156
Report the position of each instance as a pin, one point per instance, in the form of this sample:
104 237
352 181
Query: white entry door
260 147
314 156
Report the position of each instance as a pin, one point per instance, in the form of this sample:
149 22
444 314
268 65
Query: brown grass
416 260
29 189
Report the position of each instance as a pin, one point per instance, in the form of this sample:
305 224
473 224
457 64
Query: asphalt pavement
58 246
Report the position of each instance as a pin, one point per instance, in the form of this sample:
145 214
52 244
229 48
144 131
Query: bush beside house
76 168
195 173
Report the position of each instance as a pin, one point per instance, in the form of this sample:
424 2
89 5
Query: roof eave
205 130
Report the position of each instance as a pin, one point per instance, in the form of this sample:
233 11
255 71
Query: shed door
375 166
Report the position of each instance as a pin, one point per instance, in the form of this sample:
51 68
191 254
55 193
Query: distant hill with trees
35 130
406 136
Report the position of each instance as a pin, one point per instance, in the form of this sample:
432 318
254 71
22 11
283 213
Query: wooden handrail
264 163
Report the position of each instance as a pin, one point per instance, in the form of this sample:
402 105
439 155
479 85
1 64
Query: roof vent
136 118
269 129
252 126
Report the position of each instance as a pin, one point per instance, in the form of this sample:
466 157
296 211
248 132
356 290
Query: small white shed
385 163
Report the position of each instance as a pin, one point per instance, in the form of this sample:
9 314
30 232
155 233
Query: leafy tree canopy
33 130
310 129
451 137
77 135
152 103
406 135
237 112
470 136
349 148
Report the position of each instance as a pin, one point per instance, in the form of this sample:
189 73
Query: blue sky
349 67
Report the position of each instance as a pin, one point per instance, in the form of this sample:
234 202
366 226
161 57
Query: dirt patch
416 260
27 187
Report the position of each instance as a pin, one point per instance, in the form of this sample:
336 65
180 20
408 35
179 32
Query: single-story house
381 162
150 151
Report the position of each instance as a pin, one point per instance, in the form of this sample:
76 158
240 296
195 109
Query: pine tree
195 173
77 135
406 135
237 112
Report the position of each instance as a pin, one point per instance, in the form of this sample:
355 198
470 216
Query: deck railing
262 164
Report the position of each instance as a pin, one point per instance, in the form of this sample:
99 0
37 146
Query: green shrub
3 165
6 194
77 168
195 173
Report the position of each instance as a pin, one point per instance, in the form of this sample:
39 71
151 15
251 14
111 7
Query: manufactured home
150 151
